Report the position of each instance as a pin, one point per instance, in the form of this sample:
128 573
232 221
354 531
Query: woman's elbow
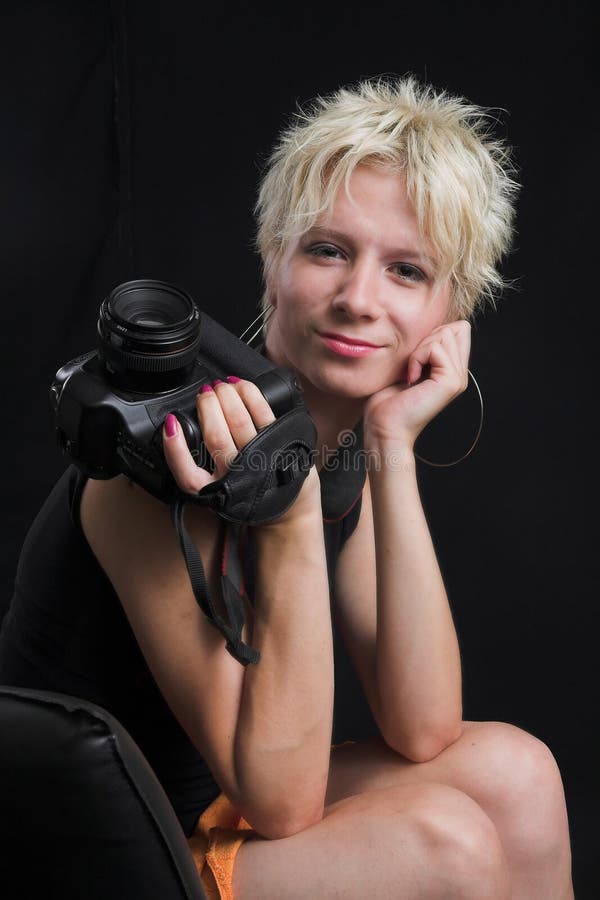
426 743
284 823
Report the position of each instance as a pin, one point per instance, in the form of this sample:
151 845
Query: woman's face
363 273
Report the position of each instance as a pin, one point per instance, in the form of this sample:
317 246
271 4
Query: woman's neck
334 418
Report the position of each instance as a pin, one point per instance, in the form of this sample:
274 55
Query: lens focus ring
148 326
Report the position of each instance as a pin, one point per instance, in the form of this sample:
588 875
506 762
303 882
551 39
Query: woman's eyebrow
321 231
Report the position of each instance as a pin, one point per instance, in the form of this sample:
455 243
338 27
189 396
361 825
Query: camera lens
148 335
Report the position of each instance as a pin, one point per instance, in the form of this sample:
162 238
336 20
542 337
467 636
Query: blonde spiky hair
459 178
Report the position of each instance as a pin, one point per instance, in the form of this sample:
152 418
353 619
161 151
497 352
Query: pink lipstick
346 346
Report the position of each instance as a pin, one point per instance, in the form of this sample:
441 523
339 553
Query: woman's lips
346 346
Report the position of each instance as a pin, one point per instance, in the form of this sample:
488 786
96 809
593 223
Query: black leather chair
82 815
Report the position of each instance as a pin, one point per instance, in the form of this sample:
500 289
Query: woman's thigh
410 841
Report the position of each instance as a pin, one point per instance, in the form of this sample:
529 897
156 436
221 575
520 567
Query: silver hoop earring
264 317
455 462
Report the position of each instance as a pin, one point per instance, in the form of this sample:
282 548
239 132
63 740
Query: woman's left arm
389 592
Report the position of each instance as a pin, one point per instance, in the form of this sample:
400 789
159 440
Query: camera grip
265 477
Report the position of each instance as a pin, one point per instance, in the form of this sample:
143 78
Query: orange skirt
215 841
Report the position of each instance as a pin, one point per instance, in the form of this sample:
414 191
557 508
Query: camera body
156 350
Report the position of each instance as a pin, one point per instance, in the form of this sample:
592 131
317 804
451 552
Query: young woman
383 214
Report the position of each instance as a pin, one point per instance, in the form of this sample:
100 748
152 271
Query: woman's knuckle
238 419
266 415
204 393
213 437
250 392
256 402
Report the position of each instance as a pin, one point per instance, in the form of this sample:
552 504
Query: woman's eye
408 272
327 251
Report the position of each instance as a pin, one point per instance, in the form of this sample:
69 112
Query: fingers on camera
230 414
245 410
216 434
257 406
188 476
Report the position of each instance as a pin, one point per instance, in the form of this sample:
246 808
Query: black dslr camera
155 351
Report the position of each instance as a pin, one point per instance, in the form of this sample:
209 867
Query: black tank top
66 630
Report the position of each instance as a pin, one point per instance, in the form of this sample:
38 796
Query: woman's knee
513 765
518 782
458 842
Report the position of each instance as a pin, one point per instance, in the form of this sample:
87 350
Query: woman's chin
341 385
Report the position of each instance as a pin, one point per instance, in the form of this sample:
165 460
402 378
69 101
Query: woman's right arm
265 729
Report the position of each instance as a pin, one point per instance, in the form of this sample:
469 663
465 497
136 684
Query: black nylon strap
231 587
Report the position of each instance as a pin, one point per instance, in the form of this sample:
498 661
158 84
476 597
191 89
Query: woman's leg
509 773
409 842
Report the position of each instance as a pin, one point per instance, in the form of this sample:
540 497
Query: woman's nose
357 291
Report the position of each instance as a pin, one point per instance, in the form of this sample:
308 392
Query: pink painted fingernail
217 381
233 379
170 425
205 388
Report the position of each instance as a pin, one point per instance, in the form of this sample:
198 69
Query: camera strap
262 482
232 586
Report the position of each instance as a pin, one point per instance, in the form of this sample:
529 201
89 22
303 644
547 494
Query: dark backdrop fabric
132 138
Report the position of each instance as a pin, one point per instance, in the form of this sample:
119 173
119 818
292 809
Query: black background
167 191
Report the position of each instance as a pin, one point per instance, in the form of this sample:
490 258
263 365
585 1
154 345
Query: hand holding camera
230 413
153 403
244 451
